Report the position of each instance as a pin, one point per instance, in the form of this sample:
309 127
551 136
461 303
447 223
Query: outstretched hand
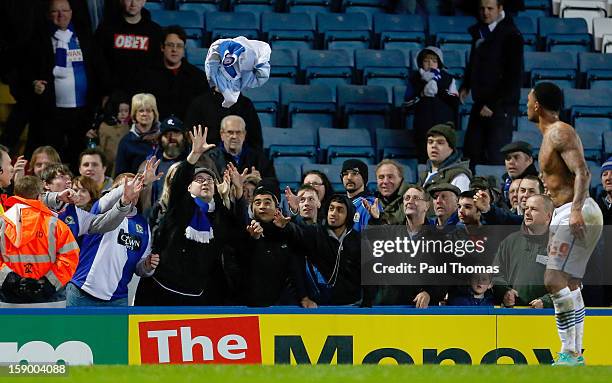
132 189
373 208
292 200
255 230
280 221
198 140
150 171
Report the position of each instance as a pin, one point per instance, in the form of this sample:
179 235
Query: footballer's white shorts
566 252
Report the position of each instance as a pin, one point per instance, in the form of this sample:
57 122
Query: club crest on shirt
139 229
69 220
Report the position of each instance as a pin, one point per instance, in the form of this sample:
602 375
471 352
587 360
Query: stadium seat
352 143
227 25
451 32
404 32
288 30
329 67
411 172
491 170
154 6
395 143
266 100
564 35
529 31
196 56
523 101
524 125
538 5
588 103
283 66
190 21
607 140
587 10
308 106
370 8
288 174
290 142
597 125
534 138
402 111
455 64
364 106
200 8
601 26
596 186
385 68
596 69
592 143
348 31
559 67
311 7
256 7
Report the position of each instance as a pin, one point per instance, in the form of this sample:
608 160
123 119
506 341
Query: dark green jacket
520 269
393 207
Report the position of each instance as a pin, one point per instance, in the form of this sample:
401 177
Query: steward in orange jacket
38 253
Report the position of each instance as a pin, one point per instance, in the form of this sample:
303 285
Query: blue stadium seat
223 25
200 8
523 101
196 56
310 7
534 138
564 35
352 143
491 170
529 31
588 103
538 5
370 8
405 117
190 21
290 142
395 143
151 6
411 172
283 66
607 140
309 106
403 32
364 106
288 30
524 125
385 68
348 31
451 32
596 69
596 186
559 67
288 174
256 7
597 125
329 67
266 100
592 143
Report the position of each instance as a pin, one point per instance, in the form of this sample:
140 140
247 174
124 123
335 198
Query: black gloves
17 289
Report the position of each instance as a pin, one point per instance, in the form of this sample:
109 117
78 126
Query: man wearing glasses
173 80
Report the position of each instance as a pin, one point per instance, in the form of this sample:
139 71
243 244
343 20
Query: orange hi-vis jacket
34 243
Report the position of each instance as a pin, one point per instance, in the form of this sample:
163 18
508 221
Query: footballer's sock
566 319
579 317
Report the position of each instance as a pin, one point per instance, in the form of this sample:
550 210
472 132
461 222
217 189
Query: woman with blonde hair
159 208
41 158
86 190
140 142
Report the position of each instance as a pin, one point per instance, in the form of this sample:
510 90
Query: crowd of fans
167 184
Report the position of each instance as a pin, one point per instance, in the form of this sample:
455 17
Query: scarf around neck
199 228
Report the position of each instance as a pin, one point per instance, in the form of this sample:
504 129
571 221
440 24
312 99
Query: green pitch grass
343 374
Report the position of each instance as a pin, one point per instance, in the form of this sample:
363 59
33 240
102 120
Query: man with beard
354 178
172 142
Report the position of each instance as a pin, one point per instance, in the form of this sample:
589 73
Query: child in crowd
433 92
478 293
86 191
116 124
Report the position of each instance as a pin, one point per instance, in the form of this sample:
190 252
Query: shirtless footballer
577 221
